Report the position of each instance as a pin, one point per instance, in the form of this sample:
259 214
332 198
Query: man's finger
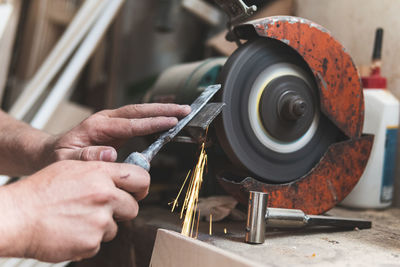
96 153
141 195
152 125
125 207
117 128
130 178
110 232
149 110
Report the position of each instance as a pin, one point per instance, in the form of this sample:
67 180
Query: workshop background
132 47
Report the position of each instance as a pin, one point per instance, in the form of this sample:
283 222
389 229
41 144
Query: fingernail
173 120
186 108
108 155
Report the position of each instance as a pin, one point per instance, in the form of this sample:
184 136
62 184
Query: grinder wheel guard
294 115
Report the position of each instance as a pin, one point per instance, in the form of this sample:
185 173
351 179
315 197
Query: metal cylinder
183 83
255 225
289 218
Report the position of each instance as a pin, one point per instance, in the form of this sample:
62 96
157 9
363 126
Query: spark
197 227
189 207
175 202
210 232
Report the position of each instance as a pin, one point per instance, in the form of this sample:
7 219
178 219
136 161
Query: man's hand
25 150
66 210
98 137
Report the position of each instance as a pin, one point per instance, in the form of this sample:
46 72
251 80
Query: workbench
377 246
133 246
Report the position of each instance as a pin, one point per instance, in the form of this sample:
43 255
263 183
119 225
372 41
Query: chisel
143 159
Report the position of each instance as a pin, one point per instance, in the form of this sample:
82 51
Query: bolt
299 107
293 107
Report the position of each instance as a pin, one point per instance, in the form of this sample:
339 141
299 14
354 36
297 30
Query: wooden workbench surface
377 246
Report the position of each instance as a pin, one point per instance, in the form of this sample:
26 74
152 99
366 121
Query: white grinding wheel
260 85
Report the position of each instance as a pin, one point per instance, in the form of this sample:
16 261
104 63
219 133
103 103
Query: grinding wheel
272 124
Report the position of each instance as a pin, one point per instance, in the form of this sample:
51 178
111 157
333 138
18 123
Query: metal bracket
237 10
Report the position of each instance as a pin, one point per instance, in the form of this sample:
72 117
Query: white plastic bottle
375 188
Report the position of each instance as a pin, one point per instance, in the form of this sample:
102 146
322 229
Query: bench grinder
294 113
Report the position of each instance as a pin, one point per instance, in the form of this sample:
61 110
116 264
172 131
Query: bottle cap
375 80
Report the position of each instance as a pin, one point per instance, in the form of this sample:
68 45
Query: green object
183 83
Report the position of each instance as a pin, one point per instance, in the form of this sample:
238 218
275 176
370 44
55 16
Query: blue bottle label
389 164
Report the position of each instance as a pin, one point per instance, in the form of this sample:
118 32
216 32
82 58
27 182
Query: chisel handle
138 159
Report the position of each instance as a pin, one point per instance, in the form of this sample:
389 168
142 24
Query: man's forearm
22 147
14 230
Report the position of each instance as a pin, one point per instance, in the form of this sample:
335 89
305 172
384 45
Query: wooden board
5 13
204 11
42 31
175 250
9 17
66 45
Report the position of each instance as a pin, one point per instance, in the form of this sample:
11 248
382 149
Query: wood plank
7 36
46 21
204 11
172 249
64 84
5 14
67 44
